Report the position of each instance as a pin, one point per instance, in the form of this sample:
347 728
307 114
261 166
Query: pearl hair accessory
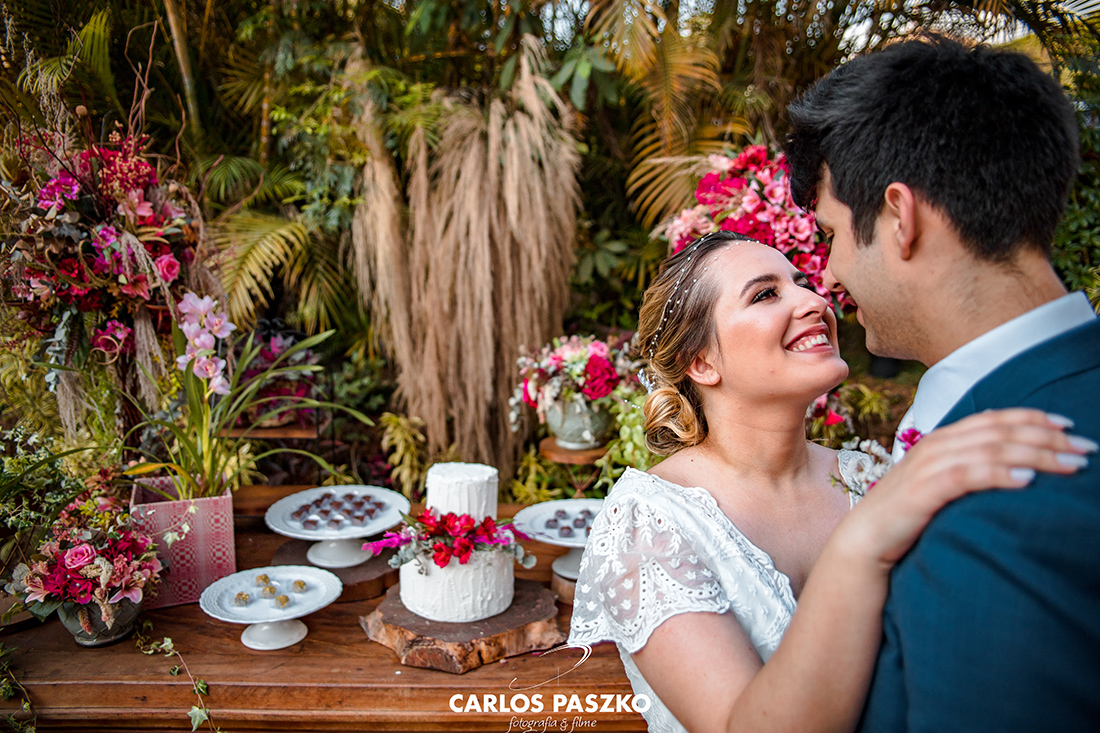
667 311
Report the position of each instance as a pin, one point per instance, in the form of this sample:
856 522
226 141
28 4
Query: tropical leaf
252 248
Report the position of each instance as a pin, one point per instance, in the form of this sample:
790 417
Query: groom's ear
901 216
702 370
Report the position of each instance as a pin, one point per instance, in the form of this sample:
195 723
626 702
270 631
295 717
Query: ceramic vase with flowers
183 490
569 384
93 570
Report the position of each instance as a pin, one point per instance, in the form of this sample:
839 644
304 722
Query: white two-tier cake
458 593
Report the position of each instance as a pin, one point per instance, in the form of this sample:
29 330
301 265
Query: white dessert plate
279 515
322 588
532 520
271 627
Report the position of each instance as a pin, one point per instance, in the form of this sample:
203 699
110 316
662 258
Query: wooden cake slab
529 624
361 582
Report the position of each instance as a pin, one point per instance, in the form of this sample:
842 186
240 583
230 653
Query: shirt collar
953 376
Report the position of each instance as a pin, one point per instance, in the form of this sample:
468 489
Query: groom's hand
997 449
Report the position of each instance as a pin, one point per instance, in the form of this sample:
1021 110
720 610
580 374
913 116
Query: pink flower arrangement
750 194
449 536
583 368
91 557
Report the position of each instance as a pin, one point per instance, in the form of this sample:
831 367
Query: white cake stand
532 522
270 627
336 548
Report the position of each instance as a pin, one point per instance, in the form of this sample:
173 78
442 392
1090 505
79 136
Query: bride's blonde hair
675 324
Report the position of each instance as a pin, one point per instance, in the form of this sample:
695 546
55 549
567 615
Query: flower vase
204 550
85 621
579 425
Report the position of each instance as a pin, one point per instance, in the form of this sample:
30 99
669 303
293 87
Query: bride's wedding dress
658 549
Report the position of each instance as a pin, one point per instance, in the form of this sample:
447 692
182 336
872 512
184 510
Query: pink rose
79 556
168 267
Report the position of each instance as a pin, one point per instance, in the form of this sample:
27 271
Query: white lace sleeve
641 567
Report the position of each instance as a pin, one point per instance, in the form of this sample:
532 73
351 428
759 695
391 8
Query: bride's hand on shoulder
997 449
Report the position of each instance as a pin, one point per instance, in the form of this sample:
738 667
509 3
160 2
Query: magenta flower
168 267
137 287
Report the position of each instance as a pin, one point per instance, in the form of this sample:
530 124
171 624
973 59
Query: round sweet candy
262 580
269 591
565 532
298 586
579 522
552 524
561 514
282 601
241 599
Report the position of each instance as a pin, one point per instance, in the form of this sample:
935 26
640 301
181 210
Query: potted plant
92 569
183 490
569 383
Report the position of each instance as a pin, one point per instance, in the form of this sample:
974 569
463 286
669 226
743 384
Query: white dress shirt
953 376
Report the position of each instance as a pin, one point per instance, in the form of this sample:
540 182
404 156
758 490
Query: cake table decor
565 523
272 616
455 560
336 519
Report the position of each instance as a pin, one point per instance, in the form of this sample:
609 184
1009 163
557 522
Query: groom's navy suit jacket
993 618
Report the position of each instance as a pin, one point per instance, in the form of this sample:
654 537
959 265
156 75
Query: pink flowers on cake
444 536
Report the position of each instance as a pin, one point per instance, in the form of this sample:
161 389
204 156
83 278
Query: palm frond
251 248
632 29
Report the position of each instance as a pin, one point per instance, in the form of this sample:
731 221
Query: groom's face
860 271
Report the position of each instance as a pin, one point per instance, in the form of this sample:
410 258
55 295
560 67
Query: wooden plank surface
335 679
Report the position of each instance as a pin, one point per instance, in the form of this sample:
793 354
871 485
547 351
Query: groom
940 173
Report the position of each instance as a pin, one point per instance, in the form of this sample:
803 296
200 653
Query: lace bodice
658 549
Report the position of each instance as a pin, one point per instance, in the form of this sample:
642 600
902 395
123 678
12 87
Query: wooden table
336 679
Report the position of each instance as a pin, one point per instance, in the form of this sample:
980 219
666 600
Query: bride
694 568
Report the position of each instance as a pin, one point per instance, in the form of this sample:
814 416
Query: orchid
203 458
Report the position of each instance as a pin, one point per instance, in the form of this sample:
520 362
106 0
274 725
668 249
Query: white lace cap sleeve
641 566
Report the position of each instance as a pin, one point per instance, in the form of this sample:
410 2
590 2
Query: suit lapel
1074 351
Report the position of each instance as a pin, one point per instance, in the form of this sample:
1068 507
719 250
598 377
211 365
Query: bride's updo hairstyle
675 324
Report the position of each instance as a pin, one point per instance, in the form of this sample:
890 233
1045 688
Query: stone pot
579 426
85 622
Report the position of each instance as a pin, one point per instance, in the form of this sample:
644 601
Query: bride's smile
774 335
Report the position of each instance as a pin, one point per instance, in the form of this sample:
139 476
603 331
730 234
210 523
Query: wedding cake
460 592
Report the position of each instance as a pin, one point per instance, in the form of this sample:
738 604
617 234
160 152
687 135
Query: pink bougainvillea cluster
577 367
750 194
284 393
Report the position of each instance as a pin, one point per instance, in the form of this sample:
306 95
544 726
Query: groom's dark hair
984 136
